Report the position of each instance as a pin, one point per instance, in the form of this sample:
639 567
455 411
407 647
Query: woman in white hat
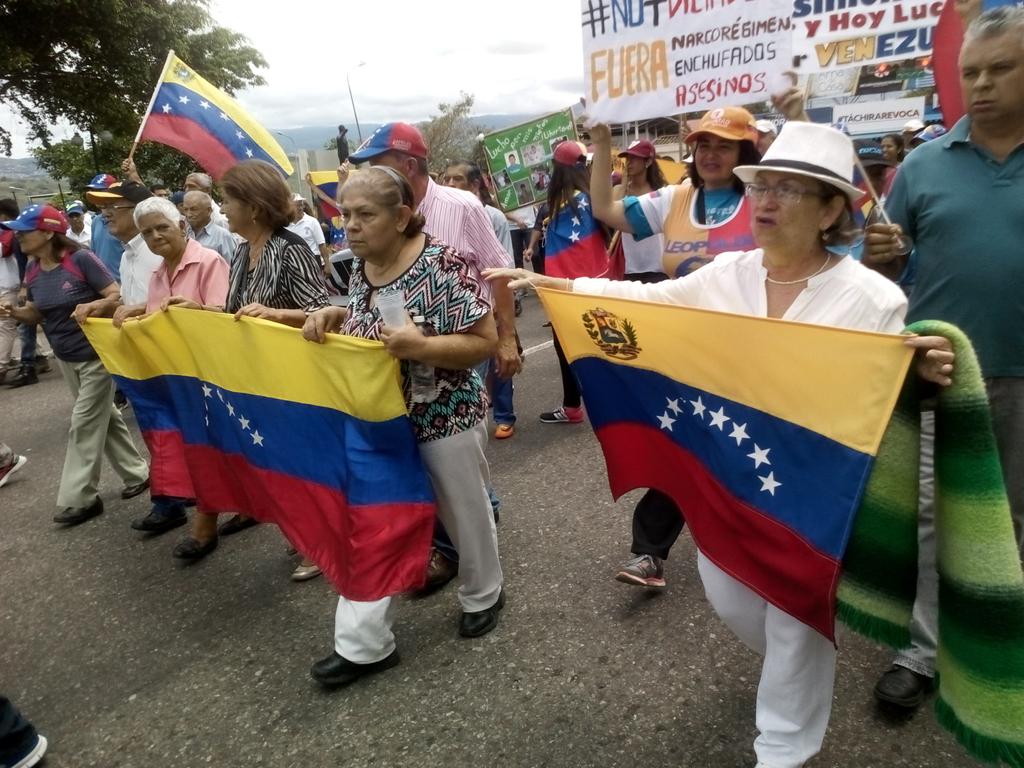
801 196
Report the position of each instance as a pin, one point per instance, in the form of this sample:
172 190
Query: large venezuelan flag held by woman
313 438
763 431
200 120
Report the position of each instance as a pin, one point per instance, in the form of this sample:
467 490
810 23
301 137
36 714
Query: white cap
913 126
765 126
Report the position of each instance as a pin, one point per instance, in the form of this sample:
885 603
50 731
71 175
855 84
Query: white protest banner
878 116
653 58
829 34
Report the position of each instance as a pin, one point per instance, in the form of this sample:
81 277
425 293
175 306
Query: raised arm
611 212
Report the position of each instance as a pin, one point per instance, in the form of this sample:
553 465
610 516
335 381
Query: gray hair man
198 209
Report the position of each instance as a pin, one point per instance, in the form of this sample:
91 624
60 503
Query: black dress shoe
26 375
160 522
75 515
192 549
336 670
131 491
236 524
479 623
902 687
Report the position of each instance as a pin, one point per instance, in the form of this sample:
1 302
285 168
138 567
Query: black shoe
192 550
75 515
160 521
479 623
336 670
236 524
26 375
131 491
902 687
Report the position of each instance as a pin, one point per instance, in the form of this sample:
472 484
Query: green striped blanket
980 665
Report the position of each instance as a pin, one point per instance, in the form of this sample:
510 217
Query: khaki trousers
97 428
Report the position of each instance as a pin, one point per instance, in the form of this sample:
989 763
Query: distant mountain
20 168
316 136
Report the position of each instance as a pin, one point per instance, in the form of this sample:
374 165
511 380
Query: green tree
95 63
78 164
451 134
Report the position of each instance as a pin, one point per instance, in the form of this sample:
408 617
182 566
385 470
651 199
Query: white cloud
524 56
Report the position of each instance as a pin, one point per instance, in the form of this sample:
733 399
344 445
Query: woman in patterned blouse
273 276
393 255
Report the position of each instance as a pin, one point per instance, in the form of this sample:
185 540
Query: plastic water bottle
421 375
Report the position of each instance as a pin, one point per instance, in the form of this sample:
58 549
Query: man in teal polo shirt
961 199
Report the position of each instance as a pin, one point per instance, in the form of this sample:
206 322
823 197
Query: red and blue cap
391 137
101 181
930 133
43 218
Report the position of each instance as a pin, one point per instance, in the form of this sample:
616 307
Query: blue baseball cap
398 137
44 218
76 207
870 153
101 181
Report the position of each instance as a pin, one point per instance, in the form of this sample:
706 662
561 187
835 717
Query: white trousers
460 476
794 697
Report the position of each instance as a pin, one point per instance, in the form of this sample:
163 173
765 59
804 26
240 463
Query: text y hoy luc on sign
649 58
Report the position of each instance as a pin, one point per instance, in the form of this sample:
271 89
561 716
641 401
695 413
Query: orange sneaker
504 431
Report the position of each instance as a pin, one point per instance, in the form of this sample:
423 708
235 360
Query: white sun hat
809 149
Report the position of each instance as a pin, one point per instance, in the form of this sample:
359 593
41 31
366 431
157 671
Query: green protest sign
519 158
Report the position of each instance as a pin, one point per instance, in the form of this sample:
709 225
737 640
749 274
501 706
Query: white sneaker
10 469
35 754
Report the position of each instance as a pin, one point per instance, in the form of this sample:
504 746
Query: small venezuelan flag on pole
188 113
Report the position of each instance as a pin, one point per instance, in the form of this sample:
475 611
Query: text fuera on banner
651 58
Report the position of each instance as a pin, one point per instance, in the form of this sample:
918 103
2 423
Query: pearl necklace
821 269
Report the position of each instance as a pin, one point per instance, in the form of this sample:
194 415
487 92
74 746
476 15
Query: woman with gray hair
193 272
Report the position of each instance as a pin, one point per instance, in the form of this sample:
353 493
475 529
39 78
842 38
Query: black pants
16 733
570 387
657 523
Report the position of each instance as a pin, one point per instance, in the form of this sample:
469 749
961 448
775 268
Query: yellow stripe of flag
833 381
255 357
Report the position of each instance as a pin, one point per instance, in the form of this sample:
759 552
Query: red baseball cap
569 153
400 137
642 149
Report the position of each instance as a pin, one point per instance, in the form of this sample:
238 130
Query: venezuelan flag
319 444
203 122
574 242
327 182
763 431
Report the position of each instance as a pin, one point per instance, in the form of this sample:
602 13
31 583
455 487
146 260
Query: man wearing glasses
117 205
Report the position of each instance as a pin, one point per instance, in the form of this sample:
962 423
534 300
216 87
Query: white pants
460 476
794 697
8 325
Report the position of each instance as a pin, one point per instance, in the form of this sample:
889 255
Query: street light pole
348 82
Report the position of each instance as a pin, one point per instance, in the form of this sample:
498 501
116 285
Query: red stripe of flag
725 529
367 551
192 139
168 472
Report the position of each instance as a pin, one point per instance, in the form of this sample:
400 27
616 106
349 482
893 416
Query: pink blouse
201 275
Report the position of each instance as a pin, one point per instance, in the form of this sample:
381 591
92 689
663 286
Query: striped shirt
287 276
458 219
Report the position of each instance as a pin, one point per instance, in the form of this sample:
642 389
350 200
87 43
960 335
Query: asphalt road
123 657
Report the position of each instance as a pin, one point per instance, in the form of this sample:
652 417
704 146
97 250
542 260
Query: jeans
504 410
16 733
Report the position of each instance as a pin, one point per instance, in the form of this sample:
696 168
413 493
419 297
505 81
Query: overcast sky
523 56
